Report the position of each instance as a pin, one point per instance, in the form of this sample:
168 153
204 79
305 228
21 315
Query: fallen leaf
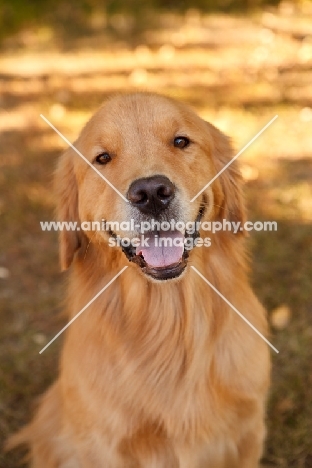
280 317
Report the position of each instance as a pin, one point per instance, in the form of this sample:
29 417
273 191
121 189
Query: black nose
151 195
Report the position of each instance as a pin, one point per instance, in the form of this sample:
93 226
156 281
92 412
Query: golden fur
153 374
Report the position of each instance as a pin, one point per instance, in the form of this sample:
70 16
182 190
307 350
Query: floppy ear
67 207
231 200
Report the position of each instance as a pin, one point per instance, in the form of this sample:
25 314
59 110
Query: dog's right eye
103 158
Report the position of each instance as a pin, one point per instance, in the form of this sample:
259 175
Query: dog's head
158 154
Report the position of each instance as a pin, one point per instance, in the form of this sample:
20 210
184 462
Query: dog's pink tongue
164 248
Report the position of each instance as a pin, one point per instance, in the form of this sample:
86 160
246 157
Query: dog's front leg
250 448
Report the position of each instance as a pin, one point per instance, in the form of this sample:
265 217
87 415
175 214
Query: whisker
207 203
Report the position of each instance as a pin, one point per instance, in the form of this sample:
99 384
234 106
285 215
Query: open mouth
163 255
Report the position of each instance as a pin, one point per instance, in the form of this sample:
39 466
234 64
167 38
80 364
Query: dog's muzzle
163 254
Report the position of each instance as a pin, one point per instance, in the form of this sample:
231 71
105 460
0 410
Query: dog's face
158 154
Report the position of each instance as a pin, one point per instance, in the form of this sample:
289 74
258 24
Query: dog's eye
103 158
181 142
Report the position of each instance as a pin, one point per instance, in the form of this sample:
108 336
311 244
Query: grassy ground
238 72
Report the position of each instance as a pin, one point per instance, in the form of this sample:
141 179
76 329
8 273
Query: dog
158 371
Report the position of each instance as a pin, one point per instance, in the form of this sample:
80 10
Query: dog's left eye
181 142
103 158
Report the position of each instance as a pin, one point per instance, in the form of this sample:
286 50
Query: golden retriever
159 371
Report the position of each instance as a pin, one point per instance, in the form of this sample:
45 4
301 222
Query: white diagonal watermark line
235 157
84 308
82 156
234 308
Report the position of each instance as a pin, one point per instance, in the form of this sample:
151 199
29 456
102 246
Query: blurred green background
238 63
